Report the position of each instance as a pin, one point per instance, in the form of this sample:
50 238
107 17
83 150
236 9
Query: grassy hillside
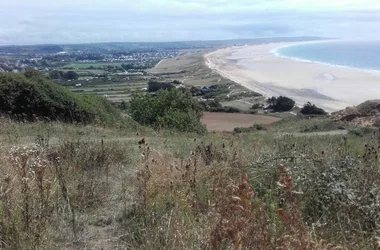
72 180
67 186
35 98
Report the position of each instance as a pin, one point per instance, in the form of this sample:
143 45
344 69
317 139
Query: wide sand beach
330 87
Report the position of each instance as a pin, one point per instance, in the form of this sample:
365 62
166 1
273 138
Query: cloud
71 21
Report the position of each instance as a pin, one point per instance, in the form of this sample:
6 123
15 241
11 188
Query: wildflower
142 141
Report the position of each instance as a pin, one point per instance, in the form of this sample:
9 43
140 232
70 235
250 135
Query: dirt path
323 133
229 121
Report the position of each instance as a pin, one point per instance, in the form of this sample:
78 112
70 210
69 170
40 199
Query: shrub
281 103
55 74
255 127
207 201
71 75
169 109
229 109
311 109
256 106
37 98
215 106
154 86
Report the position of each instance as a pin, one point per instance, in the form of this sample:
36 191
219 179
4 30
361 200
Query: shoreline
277 54
259 69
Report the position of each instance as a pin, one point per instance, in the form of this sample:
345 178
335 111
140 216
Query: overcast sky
84 21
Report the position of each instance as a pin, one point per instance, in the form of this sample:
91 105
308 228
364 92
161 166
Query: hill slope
366 113
36 98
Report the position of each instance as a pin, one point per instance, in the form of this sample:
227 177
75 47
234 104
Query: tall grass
42 190
247 193
171 191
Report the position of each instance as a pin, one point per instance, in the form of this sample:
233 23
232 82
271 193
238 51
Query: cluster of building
54 61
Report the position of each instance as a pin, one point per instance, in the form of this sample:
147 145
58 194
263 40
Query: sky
88 21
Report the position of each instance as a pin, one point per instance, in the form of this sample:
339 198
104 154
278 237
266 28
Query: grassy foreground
85 187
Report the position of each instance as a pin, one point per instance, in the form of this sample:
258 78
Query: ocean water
354 54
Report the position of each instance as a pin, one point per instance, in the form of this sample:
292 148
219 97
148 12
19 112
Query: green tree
154 86
311 109
55 74
168 109
281 103
33 73
71 75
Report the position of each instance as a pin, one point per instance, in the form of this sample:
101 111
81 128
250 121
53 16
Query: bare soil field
229 121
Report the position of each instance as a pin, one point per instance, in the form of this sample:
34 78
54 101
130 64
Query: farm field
115 92
229 121
95 65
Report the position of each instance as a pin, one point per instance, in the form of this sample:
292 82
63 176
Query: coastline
259 69
278 54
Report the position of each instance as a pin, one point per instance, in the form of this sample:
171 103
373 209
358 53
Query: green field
115 92
95 65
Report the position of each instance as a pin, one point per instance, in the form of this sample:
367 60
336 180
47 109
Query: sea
363 55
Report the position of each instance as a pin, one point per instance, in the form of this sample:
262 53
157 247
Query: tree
272 101
154 86
311 109
33 73
55 74
127 66
281 103
71 75
168 109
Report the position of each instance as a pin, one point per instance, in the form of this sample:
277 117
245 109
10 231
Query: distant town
106 58
116 70
85 63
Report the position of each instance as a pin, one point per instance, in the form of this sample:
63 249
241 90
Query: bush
256 106
229 109
255 127
154 86
55 74
37 98
215 106
311 109
281 103
71 75
168 109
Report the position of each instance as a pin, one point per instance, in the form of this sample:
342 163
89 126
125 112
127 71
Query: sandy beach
329 87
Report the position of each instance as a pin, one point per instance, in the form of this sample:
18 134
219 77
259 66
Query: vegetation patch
254 128
215 106
167 109
154 86
311 109
32 98
281 103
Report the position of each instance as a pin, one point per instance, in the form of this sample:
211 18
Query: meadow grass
74 187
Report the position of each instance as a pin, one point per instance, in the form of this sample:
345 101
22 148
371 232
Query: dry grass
229 121
218 191
43 191
206 201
